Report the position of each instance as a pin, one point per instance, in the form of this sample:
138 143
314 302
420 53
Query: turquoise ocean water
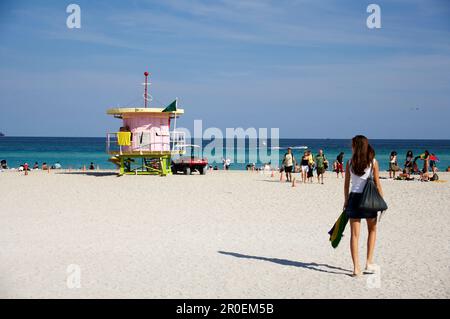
74 152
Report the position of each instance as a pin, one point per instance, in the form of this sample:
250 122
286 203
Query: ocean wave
302 147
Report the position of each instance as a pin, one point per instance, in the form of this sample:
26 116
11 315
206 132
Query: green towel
337 231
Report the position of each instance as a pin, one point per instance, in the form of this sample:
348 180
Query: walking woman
311 165
305 166
361 166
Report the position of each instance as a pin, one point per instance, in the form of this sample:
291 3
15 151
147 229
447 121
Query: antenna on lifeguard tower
147 97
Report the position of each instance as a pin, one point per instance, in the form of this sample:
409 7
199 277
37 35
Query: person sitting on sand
408 168
362 165
404 177
36 165
288 164
44 166
424 177
91 166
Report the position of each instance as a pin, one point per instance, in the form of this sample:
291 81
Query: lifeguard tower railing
148 143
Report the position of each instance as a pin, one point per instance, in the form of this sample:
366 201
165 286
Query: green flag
172 107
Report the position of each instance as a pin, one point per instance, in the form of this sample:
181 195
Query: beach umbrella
336 232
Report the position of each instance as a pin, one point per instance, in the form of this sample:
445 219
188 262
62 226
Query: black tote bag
371 200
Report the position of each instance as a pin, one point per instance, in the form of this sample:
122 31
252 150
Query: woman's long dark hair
363 154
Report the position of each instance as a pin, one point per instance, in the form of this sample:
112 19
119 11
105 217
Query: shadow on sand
90 173
311 266
273 181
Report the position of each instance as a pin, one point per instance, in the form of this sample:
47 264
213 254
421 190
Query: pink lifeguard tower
145 142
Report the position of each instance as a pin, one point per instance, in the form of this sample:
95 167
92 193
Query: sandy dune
224 235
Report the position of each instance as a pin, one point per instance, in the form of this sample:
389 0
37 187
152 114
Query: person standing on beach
433 163
362 165
3 164
340 165
288 164
426 165
321 162
392 164
227 164
305 166
311 165
409 162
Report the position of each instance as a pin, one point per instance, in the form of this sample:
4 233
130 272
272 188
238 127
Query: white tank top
359 182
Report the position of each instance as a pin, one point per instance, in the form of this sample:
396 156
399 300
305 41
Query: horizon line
285 138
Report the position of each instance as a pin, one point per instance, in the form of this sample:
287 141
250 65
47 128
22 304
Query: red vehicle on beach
190 163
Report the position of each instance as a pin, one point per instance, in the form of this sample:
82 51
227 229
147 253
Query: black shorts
352 209
320 170
288 169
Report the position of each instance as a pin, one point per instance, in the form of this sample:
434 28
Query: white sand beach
223 235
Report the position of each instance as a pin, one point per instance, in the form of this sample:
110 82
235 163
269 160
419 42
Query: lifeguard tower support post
145 144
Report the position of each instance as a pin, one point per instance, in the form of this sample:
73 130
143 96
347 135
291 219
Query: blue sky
311 68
